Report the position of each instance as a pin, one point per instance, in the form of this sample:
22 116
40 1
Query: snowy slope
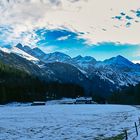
23 54
5 49
59 122
19 52
119 71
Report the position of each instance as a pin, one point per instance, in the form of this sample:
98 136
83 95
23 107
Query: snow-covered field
65 122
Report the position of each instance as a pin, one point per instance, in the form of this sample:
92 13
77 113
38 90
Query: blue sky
98 28
69 43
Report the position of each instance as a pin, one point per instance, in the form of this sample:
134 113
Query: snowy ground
66 122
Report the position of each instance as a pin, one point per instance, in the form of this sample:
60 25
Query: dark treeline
129 95
58 90
17 85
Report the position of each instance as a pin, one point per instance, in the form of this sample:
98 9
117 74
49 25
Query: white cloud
87 16
63 38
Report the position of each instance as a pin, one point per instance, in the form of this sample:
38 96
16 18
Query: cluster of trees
57 90
17 85
129 95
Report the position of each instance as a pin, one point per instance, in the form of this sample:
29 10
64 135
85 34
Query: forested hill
129 95
17 85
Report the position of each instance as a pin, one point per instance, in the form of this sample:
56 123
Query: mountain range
96 77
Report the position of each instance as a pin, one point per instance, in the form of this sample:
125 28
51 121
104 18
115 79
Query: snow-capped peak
56 57
59 54
19 52
23 54
23 48
38 52
77 57
86 59
118 60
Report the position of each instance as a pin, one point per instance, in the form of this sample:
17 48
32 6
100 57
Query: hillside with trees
17 85
129 95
